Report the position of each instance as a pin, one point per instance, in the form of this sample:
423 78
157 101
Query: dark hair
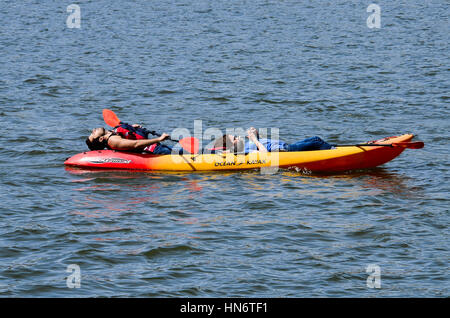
225 143
221 142
95 144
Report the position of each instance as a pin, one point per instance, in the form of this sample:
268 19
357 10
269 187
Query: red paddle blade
110 118
410 145
190 144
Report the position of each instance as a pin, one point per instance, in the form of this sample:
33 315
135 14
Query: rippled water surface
305 67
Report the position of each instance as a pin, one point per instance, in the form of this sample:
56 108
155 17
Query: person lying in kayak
127 138
230 143
270 145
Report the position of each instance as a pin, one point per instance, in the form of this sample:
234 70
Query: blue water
306 68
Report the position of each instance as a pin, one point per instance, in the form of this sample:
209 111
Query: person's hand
136 126
251 132
163 137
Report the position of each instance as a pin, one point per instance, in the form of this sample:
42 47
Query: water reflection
182 198
368 182
192 185
111 193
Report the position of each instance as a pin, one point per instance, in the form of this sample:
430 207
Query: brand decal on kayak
234 163
110 160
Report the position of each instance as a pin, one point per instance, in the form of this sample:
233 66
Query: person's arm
118 143
260 146
252 136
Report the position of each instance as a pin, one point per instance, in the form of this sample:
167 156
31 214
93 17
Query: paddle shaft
365 145
159 135
190 144
411 145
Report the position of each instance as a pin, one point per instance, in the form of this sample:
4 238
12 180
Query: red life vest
129 132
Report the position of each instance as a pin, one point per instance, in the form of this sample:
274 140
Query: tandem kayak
332 160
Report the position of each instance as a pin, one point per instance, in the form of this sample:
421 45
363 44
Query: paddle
110 118
189 144
410 145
